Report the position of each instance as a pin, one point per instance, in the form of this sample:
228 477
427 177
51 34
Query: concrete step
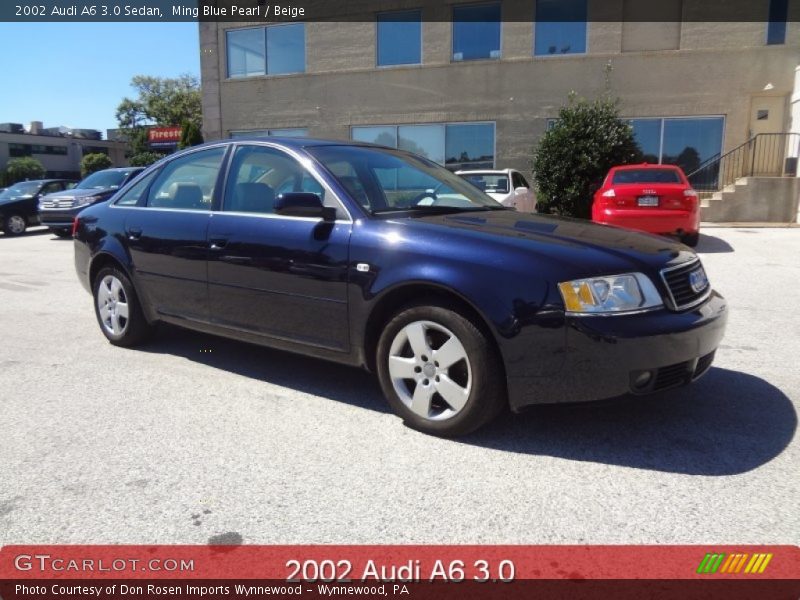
767 199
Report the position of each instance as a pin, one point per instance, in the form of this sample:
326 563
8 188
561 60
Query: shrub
190 135
20 169
96 161
572 158
144 159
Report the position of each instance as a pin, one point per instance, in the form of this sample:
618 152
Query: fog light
642 380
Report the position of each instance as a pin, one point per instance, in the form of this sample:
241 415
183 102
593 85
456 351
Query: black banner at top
268 11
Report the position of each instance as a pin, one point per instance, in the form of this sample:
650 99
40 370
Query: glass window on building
647 133
776 27
454 145
286 49
385 136
560 27
476 32
469 146
289 132
690 142
246 52
686 142
399 38
425 140
286 132
274 50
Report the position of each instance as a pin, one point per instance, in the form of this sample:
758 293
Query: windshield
647 176
384 181
102 180
26 188
491 183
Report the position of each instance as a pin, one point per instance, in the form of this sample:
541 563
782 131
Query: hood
14 199
499 196
582 246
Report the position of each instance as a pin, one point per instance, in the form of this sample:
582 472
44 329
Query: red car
653 198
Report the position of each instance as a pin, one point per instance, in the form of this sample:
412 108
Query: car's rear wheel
117 308
439 372
15 225
691 239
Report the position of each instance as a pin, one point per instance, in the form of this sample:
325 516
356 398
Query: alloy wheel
112 305
430 370
16 224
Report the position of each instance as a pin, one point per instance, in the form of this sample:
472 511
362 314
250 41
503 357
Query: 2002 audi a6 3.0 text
375 257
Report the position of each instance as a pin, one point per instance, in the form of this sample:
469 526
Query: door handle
134 233
217 243
236 260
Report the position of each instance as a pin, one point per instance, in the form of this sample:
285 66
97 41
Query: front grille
672 376
703 365
57 202
679 285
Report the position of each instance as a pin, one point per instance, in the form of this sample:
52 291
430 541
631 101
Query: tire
450 400
122 327
691 239
62 233
15 224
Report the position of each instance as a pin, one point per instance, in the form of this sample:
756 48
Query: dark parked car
57 211
18 203
343 251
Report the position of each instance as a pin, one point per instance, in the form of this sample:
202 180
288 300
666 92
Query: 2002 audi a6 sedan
376 257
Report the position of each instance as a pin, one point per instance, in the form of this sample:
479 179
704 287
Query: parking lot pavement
193 438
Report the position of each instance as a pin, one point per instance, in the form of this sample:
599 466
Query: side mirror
521 190
303 204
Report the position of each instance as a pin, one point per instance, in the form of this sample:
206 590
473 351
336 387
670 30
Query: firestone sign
164 137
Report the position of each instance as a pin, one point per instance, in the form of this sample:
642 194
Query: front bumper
606 354
59 217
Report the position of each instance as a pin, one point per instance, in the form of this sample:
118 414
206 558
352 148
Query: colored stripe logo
735 563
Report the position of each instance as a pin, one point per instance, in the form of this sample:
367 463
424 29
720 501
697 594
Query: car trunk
650 195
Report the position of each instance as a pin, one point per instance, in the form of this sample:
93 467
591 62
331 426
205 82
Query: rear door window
136 194
187 183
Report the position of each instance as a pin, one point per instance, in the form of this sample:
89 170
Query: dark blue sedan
379 258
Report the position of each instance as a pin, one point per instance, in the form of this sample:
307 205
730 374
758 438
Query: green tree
20 169
572 158
159 102
190 135
96 161
144 159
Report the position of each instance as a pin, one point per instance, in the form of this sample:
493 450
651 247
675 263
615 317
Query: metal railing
765 155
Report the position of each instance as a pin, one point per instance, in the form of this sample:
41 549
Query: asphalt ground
195 439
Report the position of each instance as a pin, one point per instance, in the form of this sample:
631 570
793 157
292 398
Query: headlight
82 201
614 294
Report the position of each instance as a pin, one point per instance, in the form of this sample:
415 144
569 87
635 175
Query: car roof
487 171
296 142
644 166
38 181
122 169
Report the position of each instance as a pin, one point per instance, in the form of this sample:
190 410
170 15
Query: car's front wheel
15 225
439 372
117 308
